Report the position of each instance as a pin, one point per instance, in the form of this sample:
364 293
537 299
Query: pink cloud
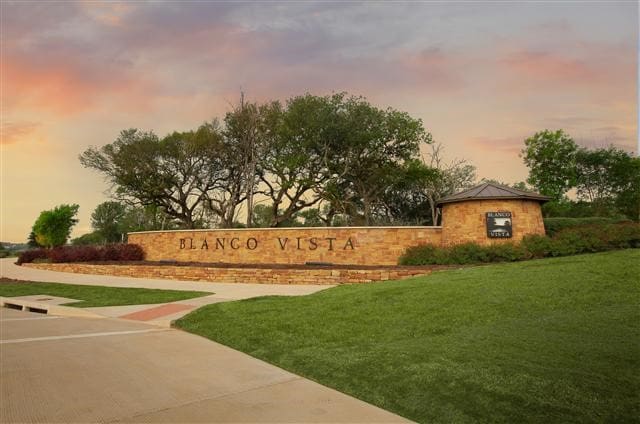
433 68
551 67
605 71
106 12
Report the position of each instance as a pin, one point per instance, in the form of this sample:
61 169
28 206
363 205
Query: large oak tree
176 173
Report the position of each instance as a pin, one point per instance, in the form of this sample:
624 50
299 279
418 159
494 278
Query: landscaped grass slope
553 340
96 295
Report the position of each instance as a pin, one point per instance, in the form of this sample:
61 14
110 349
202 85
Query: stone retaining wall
336 245
263 275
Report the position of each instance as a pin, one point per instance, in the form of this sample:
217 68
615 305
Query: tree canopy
106 220
338 151
551 159
606 180
176 173
112 220
53 227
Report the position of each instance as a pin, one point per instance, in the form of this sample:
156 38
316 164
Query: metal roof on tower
492 191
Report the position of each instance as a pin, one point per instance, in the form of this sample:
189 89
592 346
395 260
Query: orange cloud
506 145
14 132
65 87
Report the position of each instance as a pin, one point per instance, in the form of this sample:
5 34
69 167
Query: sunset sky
481 75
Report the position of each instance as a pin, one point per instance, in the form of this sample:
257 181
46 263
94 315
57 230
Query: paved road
61 369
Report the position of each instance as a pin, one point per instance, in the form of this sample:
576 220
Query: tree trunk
367 211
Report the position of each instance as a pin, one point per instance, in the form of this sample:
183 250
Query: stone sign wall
465 222
482 221
336 245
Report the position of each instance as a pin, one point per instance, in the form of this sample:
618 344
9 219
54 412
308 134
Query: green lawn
96 295
553 340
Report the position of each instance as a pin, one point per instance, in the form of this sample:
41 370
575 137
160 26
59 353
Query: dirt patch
11 280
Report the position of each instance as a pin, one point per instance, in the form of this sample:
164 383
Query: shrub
506 252
131 252
569 241
424 254
467 253
554 225
111 252
74 254
536 245
624 235
31 255
596 238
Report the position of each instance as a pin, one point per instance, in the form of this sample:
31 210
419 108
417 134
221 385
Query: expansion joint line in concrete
82 336
28 319
204 399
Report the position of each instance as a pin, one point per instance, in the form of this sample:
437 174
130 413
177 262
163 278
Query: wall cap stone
200 230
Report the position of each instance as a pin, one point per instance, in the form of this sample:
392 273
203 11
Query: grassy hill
553 340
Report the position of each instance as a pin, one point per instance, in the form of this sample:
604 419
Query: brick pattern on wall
238 275
464 222
345 246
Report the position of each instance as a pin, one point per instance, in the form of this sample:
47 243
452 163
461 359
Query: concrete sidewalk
71 369
59 369
157 314
223 291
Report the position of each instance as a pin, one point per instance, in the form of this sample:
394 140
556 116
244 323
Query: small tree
627 173
245 132
608 179
149 218
53 227
551 159
31 241
106 220
448 178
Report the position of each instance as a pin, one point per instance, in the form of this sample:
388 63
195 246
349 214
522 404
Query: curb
45 308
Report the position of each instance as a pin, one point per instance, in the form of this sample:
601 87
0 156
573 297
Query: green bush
569 241
506 252
595 238
624 235
424 254
538 246
467 253
554 225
